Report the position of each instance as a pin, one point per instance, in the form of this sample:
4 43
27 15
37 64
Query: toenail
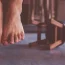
5 43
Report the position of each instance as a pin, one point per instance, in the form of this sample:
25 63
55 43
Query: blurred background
33 12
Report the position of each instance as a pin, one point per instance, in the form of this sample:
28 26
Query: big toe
4 41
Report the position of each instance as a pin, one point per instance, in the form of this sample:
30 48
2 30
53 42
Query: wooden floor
19 54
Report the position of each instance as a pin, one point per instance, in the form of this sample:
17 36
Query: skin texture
1 20
12 27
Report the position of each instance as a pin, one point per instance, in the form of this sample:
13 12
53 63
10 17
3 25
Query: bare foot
13 28
12 32
0 20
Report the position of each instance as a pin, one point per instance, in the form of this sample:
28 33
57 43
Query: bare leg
13 29
1 20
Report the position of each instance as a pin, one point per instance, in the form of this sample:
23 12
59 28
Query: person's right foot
12 32
13 29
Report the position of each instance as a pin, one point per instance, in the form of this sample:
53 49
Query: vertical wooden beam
56 33
55 8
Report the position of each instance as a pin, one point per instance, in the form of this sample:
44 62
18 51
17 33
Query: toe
5 43
16 38
12 38
19 36
4 40
22 36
